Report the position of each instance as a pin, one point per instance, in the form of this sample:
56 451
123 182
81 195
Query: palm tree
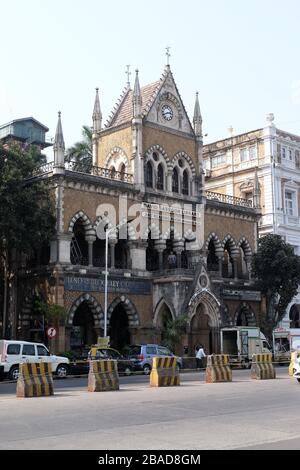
80 154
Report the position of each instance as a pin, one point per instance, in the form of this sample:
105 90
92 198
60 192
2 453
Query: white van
12 353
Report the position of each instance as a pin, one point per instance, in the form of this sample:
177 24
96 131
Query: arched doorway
164 316
200 330
83 332
204 322
119 328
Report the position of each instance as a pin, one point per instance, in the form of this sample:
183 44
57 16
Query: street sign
51 332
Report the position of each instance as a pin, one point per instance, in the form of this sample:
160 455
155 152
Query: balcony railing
84 168
225 198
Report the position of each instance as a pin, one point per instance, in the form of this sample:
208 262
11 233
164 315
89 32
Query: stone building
148 164
262 166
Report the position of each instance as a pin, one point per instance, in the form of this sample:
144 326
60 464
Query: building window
185 183
249 153
283 152
149 175
218 160
175 186
290 155
289 202
160 177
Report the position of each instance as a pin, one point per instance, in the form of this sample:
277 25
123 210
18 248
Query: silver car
142 356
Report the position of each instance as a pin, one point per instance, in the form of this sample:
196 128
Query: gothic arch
133 317
234 249
88 227
212 304
216 241
95 307
188 159
158 309
248 312
159 149
245 245
117 157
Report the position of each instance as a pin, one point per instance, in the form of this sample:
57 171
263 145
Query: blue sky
242 57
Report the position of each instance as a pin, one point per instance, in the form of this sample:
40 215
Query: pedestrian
199 356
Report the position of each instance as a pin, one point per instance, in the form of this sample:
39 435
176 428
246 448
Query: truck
240 342
285 341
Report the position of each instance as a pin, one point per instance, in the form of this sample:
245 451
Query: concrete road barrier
35 380
164 372
218 369
262 367
103 376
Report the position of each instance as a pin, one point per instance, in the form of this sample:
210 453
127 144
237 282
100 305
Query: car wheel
14 373
128 370
298 380
147 369
62 371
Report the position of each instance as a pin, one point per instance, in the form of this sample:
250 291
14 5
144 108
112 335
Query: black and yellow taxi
96 352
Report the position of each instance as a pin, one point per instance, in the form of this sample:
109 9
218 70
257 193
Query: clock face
167 112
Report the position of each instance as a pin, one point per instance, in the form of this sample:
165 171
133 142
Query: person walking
199 357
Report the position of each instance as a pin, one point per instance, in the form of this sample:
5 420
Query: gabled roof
123 110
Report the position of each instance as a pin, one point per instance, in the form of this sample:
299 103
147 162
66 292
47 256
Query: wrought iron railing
83 167
111 174
43 169
236 201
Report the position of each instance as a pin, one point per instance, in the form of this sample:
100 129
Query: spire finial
197 120
97 115
128 73
168 55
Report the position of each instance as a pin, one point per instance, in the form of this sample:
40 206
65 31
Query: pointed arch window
160 177
149 175
175 185
185 183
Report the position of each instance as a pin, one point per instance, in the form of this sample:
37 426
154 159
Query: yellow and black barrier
164 372
103 376
294 356
35 380
218 369
262 367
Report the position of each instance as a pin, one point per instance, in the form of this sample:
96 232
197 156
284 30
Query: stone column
169 182
112 245
160 246
60 251
235 268
90 239
137 251
220 261
178 248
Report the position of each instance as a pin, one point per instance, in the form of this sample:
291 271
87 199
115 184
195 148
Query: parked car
12 353
142 355
297 369
81 365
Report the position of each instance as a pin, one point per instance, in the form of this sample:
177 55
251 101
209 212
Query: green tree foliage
26 208
174 329
81 152
27 219
277 270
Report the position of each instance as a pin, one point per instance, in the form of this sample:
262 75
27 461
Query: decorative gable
168 109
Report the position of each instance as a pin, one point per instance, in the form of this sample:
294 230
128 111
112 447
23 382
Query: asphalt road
244 414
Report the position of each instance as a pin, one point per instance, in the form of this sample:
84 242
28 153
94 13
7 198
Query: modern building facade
262 166
185 250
